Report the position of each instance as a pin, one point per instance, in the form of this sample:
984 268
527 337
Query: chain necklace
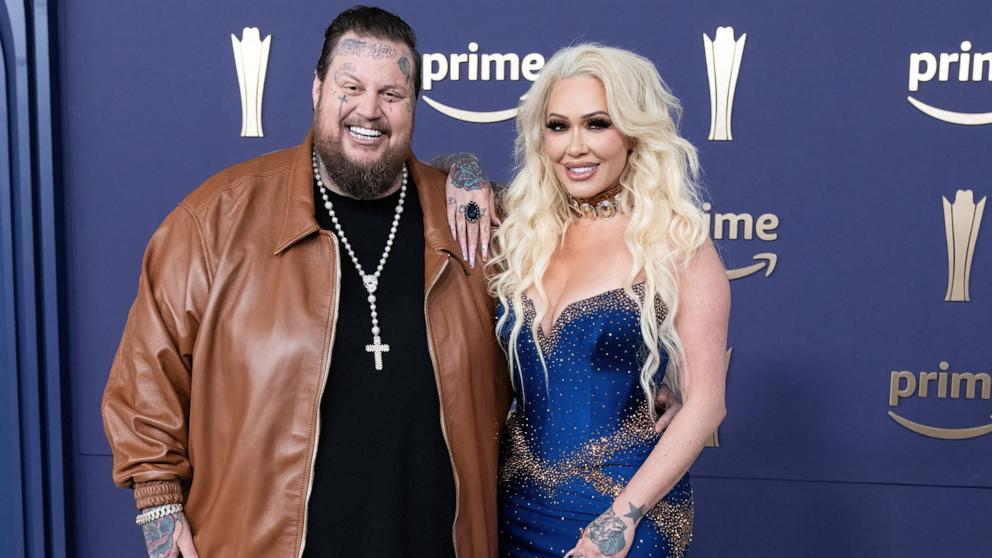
370 281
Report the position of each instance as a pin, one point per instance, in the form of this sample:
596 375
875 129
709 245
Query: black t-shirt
383 484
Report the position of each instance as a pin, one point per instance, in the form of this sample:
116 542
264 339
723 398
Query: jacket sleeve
146 401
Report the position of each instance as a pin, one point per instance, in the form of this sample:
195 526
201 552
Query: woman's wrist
629 510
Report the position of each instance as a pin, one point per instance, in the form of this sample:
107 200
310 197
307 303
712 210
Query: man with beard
306 340
309 369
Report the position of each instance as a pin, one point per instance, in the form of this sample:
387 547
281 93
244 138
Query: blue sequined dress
571 445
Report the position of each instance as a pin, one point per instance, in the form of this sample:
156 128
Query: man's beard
363 181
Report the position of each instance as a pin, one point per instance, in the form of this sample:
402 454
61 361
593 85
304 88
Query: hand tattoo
160 535
467 175
451 201
635 513
606 532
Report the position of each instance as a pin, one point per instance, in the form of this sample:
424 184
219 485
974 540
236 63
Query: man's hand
668 404
169 537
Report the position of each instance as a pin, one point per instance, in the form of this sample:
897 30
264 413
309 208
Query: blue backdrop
840 173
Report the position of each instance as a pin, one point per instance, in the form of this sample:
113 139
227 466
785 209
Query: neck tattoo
369 281
603 205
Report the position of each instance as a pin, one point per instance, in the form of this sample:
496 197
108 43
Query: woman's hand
668 404
466 185
169 537
611 534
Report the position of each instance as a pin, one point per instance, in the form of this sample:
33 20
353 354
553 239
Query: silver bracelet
158 512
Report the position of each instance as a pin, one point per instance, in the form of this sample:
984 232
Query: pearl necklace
370 281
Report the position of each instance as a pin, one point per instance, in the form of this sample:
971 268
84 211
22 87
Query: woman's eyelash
597 123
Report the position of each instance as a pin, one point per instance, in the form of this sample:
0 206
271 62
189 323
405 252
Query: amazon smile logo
473 66
745 226
962 66
940 384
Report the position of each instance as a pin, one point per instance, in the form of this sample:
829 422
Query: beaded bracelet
156 513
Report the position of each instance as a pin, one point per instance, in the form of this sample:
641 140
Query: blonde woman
608 286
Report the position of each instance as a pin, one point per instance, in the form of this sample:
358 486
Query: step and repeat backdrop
846 149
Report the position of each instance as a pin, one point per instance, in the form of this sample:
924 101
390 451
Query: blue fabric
574 441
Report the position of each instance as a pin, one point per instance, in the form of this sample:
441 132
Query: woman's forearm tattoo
635 513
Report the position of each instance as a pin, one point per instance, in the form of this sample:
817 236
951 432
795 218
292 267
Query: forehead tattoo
358 47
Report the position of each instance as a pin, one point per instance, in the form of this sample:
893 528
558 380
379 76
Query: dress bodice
581 428
592 356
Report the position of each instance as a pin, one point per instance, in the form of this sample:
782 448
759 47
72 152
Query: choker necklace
370 281
603 205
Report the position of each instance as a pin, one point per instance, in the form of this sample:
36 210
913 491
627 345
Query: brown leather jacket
214 394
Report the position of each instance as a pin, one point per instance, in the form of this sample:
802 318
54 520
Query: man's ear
315 89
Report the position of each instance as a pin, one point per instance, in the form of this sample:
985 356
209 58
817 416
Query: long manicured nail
471 261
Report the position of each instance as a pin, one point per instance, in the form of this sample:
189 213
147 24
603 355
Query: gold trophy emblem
962 220
251 56
723 64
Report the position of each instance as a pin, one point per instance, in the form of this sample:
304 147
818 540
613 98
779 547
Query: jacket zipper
320 394
437 380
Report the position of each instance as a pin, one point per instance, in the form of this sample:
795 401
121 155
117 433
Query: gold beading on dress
588 462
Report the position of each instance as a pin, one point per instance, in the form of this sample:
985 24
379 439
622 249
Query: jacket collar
298 220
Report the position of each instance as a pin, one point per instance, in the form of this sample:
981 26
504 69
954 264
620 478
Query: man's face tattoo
362 143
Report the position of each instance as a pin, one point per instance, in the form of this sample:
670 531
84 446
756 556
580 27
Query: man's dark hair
370 22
